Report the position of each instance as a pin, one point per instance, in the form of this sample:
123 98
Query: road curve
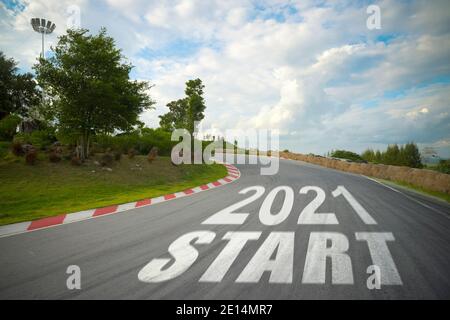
112 250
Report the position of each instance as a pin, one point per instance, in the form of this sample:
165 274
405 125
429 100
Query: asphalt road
112 250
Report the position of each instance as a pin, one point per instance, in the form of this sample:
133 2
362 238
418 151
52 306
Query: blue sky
311 69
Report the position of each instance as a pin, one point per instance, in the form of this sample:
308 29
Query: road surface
125 255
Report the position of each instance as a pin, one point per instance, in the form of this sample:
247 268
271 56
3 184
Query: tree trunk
83 146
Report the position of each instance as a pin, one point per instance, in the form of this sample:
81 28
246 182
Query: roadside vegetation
436 194
406 155
442 166
71 136
348 155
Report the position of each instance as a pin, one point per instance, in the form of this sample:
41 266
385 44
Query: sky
311 69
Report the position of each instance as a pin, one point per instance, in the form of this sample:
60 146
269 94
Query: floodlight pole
43 54
43 27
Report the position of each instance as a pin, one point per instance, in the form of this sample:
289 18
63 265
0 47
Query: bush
117 155
16 148
131 153
41 139
4 148
75 161
443 166
8 127
344 154
142 142
106 160
54 156
31 157
152 154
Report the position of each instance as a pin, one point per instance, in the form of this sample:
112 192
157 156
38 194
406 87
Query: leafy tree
8 126
183 113
412 156
90 88
368 155
18 92
378 156
176 117
391 156
195 103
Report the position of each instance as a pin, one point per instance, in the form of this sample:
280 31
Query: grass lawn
48 189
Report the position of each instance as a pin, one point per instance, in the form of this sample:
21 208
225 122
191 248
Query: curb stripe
169 196
144 202
105 210
46 222
11 229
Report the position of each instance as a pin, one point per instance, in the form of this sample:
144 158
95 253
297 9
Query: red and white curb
6 230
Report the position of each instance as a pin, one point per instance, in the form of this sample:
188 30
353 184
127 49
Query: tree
18 92
176 117
183 113
195 103
90 88
391 156
378 157
412 156
368 155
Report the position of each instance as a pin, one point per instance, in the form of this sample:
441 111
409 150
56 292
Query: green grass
48 189
435 194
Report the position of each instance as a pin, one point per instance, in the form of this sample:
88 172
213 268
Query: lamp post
43 27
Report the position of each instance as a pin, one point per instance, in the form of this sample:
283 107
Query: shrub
142 142
117 155
8 127
131 153
68 155
54 156
106 160
39 138
344 154
444 166
16 148
31 157
152 154
75 161
4 148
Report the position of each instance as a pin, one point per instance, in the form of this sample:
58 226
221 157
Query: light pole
43 27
